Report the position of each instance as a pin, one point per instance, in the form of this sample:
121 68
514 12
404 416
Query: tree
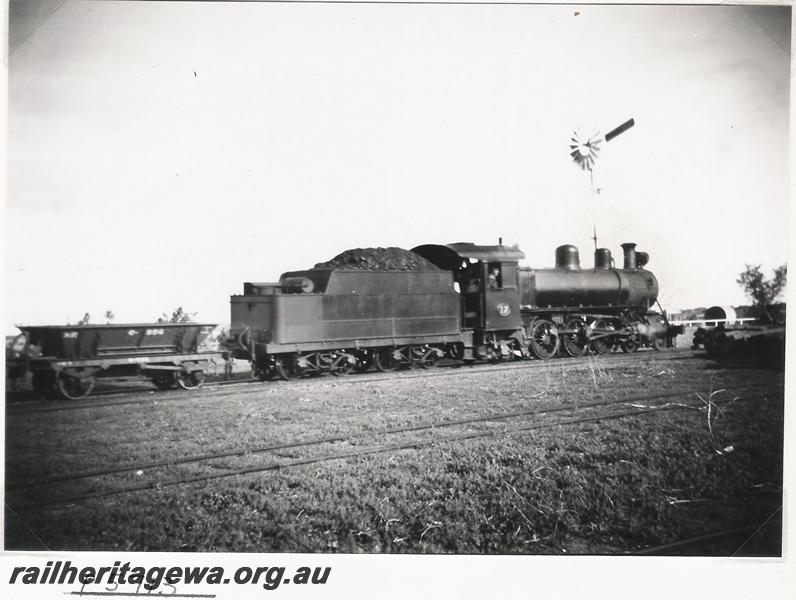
763 292
178 316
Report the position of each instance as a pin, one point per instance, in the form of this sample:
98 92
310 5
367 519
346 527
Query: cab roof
450 256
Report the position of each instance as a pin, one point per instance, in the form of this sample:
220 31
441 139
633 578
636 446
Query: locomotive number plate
504 310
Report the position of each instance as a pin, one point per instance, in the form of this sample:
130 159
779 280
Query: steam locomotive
470 303
461 300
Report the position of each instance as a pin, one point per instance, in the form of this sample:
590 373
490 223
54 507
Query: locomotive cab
487 280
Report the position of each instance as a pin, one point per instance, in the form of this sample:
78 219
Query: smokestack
630 255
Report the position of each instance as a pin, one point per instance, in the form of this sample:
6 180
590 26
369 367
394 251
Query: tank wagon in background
463 301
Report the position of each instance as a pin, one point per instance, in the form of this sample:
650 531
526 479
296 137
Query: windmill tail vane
621 129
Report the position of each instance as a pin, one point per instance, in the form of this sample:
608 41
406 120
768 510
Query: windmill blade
585 144
584 147
621 129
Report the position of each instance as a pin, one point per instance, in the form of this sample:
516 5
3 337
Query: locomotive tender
472 303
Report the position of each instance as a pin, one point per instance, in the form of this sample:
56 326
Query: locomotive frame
479 305
470 303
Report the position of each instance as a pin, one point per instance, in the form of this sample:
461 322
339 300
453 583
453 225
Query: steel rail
23 408
344 436
373 450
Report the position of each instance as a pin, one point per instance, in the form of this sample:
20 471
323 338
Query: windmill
584 148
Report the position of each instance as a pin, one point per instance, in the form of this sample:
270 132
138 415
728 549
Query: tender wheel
629 346
384 360
165 381
74 388
658 344
428 357
262 372
456 351
286 367
282 371
364 362
190 381
343 365
605 343
576 342
544 339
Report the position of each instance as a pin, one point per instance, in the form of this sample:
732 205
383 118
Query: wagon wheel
575 343
165 381
629 346
190 381
606 343
544 339
384 360
343 365
74 388
658 344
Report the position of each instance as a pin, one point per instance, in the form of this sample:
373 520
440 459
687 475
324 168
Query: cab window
494 276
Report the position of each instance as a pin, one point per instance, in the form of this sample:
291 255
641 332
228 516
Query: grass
600 487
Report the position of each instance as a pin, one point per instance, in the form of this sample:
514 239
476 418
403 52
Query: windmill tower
584 148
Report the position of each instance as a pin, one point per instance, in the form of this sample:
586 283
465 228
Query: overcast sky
161 154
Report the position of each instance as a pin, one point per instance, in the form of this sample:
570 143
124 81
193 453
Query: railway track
241 387
24 495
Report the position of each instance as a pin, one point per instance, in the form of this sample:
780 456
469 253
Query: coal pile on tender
378 259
